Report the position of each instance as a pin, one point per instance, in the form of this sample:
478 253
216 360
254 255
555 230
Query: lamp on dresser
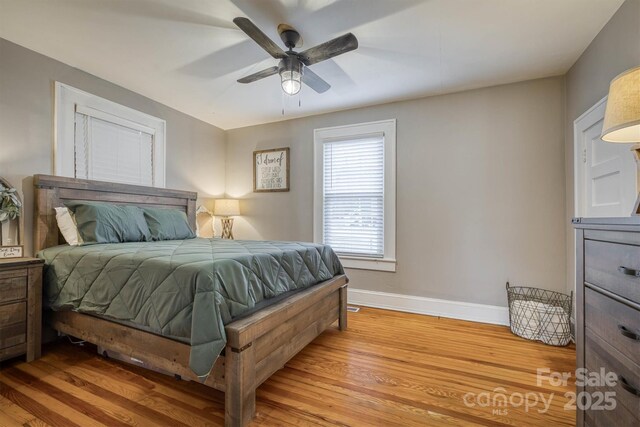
226 209
622 116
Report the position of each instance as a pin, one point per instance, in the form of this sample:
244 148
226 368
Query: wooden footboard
257 345
261 344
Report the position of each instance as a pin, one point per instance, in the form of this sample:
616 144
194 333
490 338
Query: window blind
353 196
108 151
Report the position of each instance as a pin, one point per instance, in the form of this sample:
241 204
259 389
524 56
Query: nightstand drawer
13 289
20 308
614 267
13 335
614 322
13 313
9 352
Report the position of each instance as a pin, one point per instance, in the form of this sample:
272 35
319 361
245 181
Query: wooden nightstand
20 307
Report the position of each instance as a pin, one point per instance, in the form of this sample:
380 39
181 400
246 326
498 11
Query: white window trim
68 100
388 128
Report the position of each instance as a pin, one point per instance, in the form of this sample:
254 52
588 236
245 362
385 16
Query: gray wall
480 190
195 150
615 49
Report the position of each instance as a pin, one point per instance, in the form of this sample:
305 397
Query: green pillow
100 222
168 224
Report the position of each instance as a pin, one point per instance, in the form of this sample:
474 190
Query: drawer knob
628 271
628 387
627 333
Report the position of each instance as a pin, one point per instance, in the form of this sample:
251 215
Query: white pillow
68 227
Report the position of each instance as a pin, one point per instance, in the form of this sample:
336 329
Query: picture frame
7 252
271 170
11 221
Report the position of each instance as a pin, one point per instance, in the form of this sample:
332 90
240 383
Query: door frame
582 123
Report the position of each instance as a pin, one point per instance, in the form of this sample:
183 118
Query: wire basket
540 315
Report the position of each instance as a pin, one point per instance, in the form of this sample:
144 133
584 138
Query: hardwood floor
388 369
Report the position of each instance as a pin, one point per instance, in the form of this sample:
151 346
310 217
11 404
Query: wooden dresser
608 316
20 307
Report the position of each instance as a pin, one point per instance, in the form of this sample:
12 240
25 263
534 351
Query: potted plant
10 205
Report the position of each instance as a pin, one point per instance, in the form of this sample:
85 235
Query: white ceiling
188 54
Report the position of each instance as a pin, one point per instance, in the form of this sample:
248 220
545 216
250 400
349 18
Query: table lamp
622 116
225 209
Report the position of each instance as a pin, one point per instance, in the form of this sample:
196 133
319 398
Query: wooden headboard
52 191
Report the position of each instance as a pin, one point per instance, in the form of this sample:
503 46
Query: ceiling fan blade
259 75
329 49
259 37
314 81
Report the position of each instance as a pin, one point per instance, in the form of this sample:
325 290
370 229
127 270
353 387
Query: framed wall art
11 225
271 170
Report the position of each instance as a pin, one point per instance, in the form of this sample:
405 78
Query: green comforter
182 289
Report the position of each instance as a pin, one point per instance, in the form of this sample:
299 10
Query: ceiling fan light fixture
293 66
291 82
291 75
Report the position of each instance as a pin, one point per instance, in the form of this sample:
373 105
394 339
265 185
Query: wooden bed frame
257 345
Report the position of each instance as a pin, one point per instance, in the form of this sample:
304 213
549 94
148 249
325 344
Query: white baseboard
434 307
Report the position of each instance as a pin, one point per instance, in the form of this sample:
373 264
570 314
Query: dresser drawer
599 354
614 322
13 289
618 417
613 266
13 313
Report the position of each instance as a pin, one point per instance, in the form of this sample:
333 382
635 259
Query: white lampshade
622 117
226 207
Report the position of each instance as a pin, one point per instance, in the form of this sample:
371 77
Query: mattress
182 289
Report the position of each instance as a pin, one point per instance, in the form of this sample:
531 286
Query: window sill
384 264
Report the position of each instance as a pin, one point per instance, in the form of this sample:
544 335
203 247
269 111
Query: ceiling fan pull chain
283 99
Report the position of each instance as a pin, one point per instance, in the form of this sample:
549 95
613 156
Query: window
354 200
353 211
101 140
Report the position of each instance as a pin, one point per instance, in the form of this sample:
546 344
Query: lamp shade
227 207
622 116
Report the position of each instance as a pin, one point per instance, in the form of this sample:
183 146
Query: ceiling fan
293 66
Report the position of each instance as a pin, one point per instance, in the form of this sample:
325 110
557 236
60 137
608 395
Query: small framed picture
11 252
271 170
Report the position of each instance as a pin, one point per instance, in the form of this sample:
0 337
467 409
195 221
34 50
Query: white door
605 173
